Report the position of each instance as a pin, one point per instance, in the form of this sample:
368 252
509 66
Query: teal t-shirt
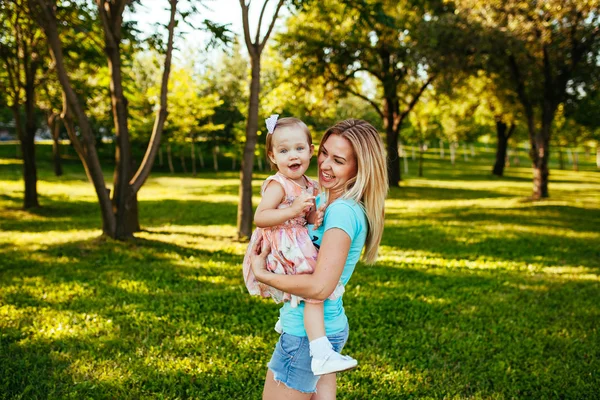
350 217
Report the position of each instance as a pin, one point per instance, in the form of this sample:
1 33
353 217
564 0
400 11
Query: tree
22 58
191 106
119 216
425 124
538 49
483 103
582 106
255 48
227 127
344 41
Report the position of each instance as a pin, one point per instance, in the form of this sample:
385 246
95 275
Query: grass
478 294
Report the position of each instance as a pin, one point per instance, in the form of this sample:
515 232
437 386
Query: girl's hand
302 204
258 259
319 215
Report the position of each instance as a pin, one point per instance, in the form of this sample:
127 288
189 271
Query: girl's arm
267 214
318 285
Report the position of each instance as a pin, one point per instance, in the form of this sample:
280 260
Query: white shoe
278 328
335 362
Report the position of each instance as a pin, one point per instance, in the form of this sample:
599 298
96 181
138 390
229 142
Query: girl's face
291 152
337 164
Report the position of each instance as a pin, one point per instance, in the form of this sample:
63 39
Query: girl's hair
370 185
287 122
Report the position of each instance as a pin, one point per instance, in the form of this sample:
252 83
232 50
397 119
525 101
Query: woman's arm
318 285
267 214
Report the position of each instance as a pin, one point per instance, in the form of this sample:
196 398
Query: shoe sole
335 372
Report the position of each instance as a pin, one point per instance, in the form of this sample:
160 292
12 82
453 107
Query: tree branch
398 119
264 41
371 102
249 45
260 19
144 170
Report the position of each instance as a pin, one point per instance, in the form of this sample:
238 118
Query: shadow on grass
135 312
70 214
100 318
546 235
456 332
442 193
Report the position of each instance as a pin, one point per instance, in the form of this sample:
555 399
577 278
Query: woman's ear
312 150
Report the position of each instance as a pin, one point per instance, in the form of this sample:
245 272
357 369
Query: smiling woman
353 175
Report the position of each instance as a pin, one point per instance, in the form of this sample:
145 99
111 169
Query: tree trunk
501 148
28 143
170 159
27 137
441 149
122 193
561 160
131 222
58 171
421 160
89 158
45 14
244 220
575 160
215 153
452 153
27 147
193 157
465 156
540 152
244 214
201 157
598 156
160 156
54 127
182 158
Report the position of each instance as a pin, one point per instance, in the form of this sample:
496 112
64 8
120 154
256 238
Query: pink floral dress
292 251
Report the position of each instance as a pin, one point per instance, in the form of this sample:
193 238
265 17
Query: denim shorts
291 359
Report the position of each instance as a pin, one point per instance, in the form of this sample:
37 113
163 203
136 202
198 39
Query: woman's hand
319 215
258 259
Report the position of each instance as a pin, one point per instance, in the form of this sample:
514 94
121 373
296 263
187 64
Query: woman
353 175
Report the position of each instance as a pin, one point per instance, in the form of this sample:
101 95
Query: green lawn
479 293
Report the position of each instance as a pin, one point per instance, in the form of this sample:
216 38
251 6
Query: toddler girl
286 206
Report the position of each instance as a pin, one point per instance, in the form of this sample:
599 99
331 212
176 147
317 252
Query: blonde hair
370 185
287 122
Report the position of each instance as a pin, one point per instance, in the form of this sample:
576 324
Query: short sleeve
275 178
342 216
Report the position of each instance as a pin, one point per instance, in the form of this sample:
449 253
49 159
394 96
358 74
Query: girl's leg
325 360
314 322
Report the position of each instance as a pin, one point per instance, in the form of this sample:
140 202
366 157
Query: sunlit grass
478 292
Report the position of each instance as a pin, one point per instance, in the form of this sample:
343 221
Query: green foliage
228 77
478 294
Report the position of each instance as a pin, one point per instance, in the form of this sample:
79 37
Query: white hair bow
271 122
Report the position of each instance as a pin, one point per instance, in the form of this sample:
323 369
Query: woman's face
337 164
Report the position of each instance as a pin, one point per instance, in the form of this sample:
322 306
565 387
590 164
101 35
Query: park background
487 284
